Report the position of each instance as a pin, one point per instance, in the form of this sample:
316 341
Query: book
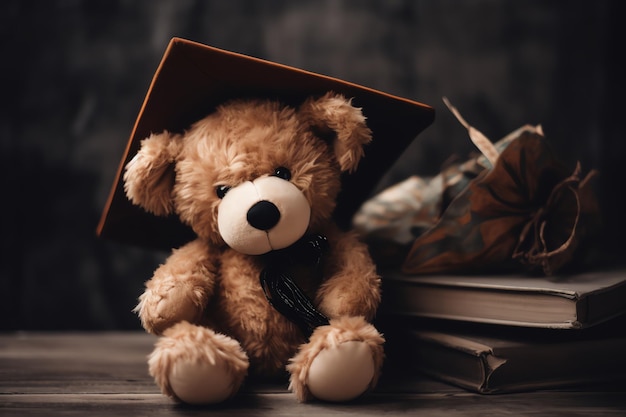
564 301
497 359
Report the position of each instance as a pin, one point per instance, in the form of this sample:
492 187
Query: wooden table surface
105 374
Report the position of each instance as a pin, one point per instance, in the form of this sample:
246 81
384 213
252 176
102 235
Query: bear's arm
179 289
353 286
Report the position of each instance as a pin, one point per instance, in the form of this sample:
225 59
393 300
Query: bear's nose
263 215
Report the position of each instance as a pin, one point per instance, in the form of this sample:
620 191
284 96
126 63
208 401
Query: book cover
564 301
491 359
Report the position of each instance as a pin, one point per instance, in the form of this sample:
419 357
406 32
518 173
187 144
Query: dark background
75 72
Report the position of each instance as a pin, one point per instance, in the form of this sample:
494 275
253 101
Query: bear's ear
149 176
333 117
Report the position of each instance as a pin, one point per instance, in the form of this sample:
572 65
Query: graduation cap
193 79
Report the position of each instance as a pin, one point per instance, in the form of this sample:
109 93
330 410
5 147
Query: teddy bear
271 286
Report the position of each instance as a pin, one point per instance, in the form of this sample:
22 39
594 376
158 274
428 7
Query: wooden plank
49 363
532 404
105 374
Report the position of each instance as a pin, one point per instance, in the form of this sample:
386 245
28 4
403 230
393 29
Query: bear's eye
283 173
221 190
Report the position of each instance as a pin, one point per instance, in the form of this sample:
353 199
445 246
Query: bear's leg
195 365
339 363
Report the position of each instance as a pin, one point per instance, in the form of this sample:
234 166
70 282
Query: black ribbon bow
281 290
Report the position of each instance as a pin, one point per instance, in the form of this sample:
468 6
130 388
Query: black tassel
289 300
281 290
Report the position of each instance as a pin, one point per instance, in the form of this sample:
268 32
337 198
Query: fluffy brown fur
206 300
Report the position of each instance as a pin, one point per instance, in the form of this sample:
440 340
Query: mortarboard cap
192 79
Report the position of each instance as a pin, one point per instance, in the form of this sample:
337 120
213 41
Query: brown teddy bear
271 286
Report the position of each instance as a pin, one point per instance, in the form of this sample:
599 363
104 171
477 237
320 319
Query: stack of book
507 333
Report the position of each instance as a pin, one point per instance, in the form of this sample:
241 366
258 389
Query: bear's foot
340 362
342 372
195 365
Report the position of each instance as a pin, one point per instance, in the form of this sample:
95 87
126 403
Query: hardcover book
492 359
563 301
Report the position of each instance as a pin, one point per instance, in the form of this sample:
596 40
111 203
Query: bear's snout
263 215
